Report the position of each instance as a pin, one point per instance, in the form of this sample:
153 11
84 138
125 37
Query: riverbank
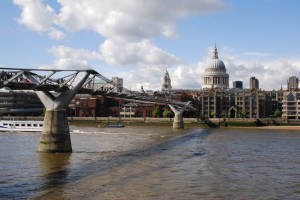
128 123
191 123
266 123
295 128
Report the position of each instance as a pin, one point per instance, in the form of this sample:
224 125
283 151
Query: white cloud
128 26
56 34
35 15
148 76
68 58
151 77
259 54
186 77
141 53
271 74
125 19
131 19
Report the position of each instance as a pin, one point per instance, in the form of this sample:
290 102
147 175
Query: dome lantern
215 56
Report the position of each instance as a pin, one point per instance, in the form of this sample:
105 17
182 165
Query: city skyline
139 40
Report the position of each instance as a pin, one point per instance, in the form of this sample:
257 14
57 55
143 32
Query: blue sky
139 40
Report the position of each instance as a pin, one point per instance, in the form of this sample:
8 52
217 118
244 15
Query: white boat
29 126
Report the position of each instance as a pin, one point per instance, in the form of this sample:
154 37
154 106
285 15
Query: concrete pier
55 136
178 119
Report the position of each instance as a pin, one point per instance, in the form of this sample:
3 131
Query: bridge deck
17 79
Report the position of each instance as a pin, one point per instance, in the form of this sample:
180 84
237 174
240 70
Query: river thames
154 163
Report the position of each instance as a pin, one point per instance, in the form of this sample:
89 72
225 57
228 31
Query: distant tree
224 114
243 113
213 114
277 113
167 113
157 112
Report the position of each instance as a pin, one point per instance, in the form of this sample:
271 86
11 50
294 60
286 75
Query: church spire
167 83
215 56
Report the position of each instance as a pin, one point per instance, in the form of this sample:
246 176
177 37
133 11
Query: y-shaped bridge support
178 119
55 136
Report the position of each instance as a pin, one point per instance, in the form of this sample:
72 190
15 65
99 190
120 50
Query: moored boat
29 126
114 125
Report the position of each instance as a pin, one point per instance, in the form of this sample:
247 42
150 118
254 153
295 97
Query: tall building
235 103
20 103
293 83
215 75
118 83
237 84
218 100
291 105
291 100
253 83
166 86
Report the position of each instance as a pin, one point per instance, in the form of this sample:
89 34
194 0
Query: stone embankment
266 123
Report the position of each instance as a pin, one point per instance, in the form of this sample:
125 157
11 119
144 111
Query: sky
139 40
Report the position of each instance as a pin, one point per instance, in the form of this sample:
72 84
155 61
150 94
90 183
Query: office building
293 83
253 83
20 103
237 84
218 100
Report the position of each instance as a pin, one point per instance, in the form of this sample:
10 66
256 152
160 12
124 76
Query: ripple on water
137 163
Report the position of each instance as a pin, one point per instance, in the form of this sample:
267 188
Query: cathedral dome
215 73
215 65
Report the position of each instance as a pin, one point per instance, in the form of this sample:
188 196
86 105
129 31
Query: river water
154 163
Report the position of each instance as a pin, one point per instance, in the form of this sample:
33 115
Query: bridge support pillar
178 119
55 136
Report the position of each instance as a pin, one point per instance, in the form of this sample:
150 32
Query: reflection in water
54 170
154 163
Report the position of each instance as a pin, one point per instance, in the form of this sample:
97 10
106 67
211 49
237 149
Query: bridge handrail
108 89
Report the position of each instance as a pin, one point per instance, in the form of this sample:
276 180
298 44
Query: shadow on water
54 168
57 172
103 165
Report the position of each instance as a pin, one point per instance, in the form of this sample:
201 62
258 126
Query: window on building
291 97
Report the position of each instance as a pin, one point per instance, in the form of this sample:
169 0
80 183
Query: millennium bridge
56 89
